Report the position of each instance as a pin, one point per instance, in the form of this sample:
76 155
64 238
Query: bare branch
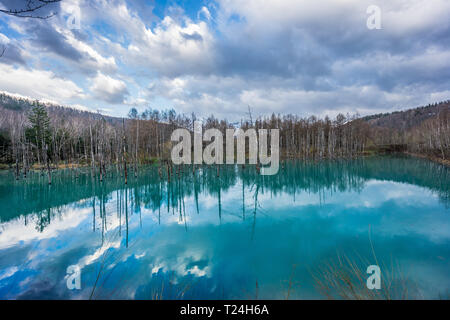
2 51
31 7
250 115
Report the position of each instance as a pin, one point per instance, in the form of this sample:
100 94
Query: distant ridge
23 104
400 120
407 119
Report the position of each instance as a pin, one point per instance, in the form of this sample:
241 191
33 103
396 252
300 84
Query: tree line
45 137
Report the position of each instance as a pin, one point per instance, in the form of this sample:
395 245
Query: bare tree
30 8
250 115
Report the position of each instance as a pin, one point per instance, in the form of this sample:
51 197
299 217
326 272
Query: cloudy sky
217 57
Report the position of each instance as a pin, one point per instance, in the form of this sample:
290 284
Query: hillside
401 120
86 136
23 105
407 119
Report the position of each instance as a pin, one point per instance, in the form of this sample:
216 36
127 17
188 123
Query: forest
42 136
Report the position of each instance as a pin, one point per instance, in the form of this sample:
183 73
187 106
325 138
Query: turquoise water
237 236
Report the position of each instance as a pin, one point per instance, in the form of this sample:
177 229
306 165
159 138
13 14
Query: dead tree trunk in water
92 150
24 157
137 146
47 158
17 166
101 152
168 172
124 153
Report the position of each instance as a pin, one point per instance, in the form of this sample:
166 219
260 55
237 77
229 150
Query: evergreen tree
39 133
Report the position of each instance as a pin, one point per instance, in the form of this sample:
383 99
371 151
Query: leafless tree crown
30 8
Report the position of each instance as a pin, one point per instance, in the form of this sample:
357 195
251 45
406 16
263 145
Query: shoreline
444 162
441 161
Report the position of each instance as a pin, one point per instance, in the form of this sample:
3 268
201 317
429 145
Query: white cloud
109 89
173 49
4 39
38 84
204 12
414 17
228 97
99 253
16 231
174 46
93 59
298 56
8 272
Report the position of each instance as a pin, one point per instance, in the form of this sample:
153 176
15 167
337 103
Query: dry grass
169 288
345 278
